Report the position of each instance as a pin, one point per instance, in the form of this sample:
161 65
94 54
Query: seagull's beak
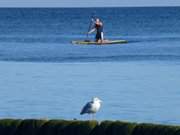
100 101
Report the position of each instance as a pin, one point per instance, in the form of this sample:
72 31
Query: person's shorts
98 36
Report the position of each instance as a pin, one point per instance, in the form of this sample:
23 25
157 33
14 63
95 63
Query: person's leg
98 37
102 37
99 41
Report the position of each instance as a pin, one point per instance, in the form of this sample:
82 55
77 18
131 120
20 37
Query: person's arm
92 30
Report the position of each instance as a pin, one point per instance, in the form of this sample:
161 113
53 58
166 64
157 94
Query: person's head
97 20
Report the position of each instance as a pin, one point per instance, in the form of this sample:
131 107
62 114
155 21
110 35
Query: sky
87 3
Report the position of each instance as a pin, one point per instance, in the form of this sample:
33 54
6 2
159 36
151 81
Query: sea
44 75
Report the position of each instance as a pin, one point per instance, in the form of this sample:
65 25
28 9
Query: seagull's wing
87 108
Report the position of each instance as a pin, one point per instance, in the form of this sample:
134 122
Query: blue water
44 35
42 75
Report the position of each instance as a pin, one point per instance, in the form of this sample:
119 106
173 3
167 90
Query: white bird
91 107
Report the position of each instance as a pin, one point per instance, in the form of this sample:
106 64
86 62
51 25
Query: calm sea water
42 75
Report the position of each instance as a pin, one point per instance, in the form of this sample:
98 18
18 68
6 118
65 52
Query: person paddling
98 27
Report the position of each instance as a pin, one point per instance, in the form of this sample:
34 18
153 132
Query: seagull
91 107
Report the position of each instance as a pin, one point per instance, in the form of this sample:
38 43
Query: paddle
90 25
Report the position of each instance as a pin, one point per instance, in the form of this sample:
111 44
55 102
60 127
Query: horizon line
92 6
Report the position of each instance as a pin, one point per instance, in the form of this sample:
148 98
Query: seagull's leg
93 116
90 117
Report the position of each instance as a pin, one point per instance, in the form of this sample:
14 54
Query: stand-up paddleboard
108 42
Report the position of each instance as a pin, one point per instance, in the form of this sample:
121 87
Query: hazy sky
86 3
